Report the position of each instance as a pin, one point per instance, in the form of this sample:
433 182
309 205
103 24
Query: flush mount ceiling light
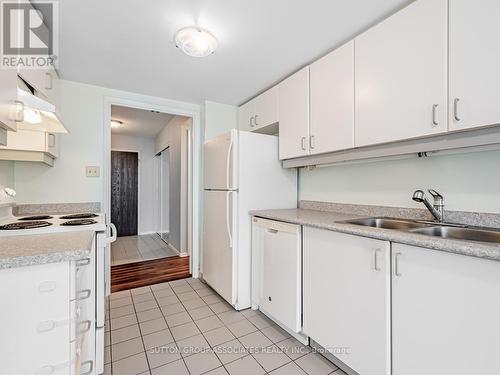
195 42
116 124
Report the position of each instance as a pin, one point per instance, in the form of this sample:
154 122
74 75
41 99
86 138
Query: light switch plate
92 171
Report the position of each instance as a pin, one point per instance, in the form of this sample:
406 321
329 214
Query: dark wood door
124 192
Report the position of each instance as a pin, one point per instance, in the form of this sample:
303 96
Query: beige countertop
28 250
333 221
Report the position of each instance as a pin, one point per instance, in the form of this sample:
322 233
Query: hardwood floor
134 275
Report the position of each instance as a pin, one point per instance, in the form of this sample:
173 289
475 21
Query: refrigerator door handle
228 161
228 218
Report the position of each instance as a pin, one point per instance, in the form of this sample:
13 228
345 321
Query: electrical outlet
92 171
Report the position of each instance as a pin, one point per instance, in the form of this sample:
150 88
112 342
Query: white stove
11 225
104 235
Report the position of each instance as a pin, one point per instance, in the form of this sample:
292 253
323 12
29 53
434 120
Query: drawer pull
90 369
47 286
50 369
272 231
49 325
83 262
83 294
87 324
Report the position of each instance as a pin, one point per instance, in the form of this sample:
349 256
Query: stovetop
42 224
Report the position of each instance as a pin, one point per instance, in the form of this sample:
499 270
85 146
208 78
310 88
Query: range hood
38 114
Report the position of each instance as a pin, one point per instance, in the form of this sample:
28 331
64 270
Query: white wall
469 182
171 137
148 178
7 173
219 118
82 109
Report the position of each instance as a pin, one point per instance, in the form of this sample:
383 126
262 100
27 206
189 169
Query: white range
105 234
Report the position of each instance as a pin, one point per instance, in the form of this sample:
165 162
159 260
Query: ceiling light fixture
195 42
116 124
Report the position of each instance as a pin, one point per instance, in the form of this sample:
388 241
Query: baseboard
183 254
145 233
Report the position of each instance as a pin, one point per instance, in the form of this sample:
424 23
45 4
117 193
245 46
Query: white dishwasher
277 272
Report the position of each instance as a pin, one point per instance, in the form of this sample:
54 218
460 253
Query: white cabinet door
246 116
332 101
474 61
41 79
8 96
281 289
401 70
347 298
293 109
266 108
445 313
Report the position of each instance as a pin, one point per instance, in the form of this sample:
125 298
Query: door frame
138 186
165 106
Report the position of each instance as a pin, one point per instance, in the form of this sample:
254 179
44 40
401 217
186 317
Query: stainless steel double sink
443 230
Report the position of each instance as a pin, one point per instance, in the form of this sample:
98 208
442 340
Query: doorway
124 192
150 160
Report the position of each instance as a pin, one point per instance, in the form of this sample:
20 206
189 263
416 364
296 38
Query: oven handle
111 238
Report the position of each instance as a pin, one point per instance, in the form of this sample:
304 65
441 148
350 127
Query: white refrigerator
242 172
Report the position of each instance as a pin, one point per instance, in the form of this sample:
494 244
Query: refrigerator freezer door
220 155
218 243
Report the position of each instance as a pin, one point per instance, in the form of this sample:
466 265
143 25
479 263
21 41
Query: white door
445 313
281 287
246 116
220 167
347 298
474 62
266 108
332 101
401 75
219 228
293 109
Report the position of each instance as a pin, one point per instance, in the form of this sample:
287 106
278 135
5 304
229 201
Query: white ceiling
128 44
138 122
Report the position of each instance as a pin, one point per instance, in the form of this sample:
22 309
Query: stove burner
79 216
32 218
79 222
25 225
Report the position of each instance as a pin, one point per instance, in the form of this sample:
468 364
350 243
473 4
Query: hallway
132 249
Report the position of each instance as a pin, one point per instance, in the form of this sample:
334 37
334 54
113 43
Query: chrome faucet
437 209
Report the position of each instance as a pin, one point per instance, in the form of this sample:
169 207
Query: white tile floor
185 328
132 249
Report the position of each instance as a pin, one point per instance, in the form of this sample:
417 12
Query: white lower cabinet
446 310
280 290
347 298
48 315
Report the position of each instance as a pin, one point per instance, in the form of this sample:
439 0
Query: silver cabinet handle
49 81
396 265
375 260
434 115
251 122
83 262
272 231
455 109
255 120
311 142
87 324
83 294
90 369
303 143
19 118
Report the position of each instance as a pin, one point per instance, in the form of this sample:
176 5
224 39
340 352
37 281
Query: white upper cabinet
347 298
332 101
293 110
401 75
266 108
42 80
260 111
445 310
474 63
246 116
